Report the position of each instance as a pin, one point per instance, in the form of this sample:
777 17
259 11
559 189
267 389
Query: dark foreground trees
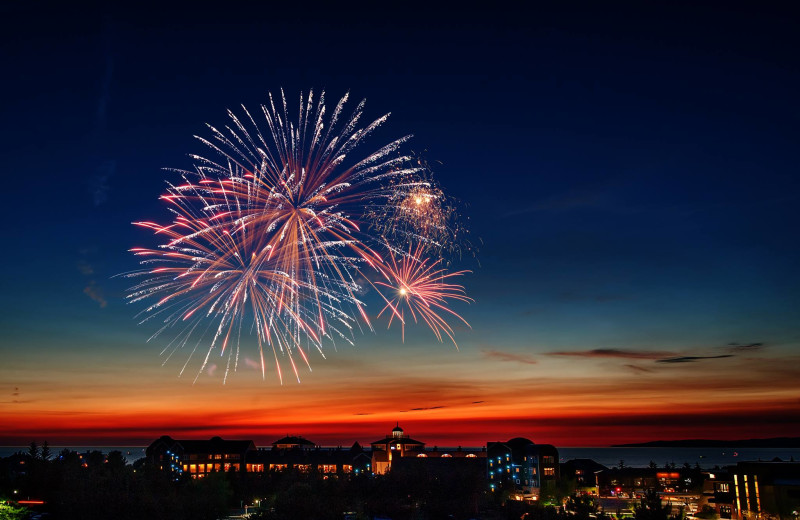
93 486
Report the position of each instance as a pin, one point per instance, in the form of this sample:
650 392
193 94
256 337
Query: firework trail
271 233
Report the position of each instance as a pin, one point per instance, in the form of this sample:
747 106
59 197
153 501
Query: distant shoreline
775 442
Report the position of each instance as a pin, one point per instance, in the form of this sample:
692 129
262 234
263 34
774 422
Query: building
766 490
198 458
582 472
292 442
398 449
521 467
718 492
302 455
395 445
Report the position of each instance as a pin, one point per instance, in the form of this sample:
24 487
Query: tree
650 507
116 461
46 451
12 512
33 450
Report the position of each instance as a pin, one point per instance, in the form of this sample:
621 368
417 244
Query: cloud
92 290
252 363
637 368
691 359
750 347
509 356
95 292
98 185
85 267
613 353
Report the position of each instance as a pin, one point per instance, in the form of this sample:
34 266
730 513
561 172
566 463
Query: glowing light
269 236
424 289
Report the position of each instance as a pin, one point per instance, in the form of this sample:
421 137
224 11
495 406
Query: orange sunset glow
448 397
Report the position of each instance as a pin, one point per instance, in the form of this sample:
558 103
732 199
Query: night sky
628 172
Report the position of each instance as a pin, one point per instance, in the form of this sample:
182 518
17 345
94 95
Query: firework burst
422 288
270 233
420 214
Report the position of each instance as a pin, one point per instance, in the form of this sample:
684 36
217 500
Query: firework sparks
420 214
271 232
421 287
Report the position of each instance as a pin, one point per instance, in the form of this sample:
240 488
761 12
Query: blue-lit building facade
521 467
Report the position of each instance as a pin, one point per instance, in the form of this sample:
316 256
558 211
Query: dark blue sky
629 170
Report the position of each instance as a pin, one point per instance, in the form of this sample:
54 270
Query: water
707 458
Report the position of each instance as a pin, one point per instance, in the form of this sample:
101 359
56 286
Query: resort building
521 467
304 456
199 458
398 448
766 489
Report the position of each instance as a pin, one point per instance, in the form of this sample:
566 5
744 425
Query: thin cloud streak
613 353
509 356
691 359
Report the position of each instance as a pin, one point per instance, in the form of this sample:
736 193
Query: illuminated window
550 471
471 455
421 455
218 456
347 468
723 487
446 455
